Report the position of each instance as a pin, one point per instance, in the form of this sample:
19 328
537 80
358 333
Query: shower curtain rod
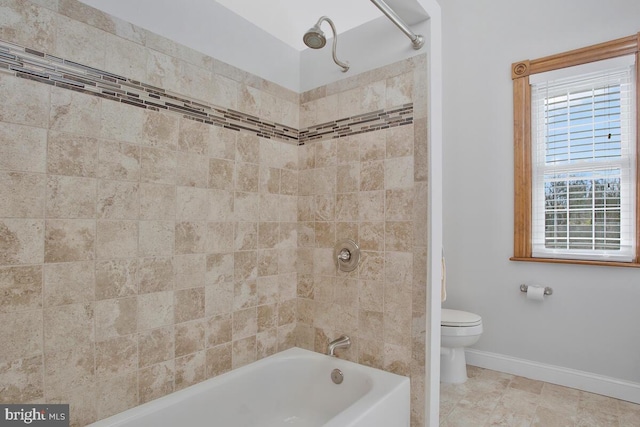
416 40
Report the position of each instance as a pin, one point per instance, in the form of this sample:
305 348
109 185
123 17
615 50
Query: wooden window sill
578 261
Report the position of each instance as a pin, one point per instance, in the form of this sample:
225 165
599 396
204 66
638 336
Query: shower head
315 39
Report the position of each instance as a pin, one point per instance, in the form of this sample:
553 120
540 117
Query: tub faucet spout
341 342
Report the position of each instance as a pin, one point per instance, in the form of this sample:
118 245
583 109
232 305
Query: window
582 164
575 145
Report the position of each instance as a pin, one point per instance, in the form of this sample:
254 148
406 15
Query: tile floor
491 398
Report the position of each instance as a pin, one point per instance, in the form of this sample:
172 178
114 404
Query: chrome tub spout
341 342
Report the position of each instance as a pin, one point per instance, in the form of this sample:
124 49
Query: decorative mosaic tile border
368 122
44 68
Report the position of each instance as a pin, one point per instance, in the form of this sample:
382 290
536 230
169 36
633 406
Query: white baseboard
593 383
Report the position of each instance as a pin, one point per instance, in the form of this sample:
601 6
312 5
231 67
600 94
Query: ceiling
287 20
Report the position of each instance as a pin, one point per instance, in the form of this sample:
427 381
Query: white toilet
458 329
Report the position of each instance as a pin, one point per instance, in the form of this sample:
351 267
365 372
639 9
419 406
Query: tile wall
372 188
142 251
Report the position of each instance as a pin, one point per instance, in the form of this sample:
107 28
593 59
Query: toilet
458 329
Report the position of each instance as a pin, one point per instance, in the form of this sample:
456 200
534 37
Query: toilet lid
459 318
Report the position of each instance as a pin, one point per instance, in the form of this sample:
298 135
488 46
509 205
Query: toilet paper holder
547 289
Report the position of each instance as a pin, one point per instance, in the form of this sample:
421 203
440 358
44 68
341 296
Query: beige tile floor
491 398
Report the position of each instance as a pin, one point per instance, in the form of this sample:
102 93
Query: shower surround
143 250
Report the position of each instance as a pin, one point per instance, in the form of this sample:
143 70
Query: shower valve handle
344 255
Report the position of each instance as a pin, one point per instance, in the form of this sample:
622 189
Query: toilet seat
458 318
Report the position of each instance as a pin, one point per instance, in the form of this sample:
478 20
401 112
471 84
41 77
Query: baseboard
586 381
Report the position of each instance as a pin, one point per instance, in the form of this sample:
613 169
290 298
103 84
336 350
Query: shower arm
343 65
416 40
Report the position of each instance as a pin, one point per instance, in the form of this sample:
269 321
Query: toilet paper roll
535 293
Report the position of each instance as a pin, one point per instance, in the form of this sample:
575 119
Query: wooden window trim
520 72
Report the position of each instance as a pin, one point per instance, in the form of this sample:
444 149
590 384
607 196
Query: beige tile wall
141 252
371 188
133 265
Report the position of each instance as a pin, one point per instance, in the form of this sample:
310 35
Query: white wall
592 321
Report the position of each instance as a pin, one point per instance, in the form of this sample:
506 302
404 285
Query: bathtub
291 388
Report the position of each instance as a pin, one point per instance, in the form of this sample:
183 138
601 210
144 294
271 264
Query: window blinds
583 162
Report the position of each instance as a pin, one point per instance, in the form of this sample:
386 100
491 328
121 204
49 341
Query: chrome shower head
314 38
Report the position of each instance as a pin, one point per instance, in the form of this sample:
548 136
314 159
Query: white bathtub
291 388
